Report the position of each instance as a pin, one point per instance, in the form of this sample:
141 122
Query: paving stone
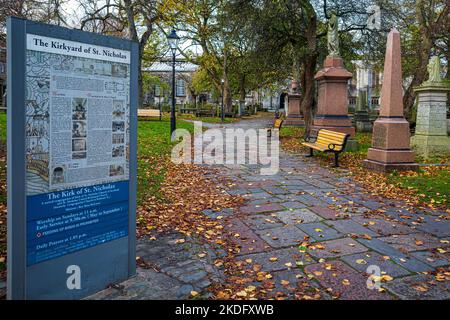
260 202
338 248
192 276
293 205
296 217
258 195
373 258
350 227
276 190
147 284
325 212
412 242
298 285
289 255
262 221
439 229
282 237
238 191
319 231
419 287
248 241
307 199
214 214
294 277
400 258
346 283
431 258
383 227
252 209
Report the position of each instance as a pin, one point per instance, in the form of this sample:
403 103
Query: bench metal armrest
310 139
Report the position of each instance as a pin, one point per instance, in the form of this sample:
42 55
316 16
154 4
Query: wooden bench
149 113
205 113
276 125
327 141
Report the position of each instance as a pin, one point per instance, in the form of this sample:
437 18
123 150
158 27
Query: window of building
180 90
157 91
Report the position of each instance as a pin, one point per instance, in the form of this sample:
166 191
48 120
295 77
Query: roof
166 66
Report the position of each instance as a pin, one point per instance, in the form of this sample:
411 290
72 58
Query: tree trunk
140 81
308 91
309 68
423 53
227 97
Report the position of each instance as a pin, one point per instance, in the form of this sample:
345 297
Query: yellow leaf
250 288
288 264
318 230
361 261
242 293
386 278
273 259
345 282
284 282
194 293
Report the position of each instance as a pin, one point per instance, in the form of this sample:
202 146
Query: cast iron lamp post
173 39
222 114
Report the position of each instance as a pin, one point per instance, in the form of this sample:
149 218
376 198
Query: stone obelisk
332 106
431 124
390 139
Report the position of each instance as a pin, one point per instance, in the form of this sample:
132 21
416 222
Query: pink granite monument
294 116
332 105
391 135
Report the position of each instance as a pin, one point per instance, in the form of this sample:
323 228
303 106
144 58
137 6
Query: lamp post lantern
222 113
173 39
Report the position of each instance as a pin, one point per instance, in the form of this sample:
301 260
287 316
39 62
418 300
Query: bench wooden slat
149 113
328 141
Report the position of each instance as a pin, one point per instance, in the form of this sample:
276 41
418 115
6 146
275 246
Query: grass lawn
192 117
432 184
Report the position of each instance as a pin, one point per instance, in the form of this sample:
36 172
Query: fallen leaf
194 293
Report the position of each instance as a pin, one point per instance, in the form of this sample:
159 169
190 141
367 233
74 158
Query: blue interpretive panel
74 94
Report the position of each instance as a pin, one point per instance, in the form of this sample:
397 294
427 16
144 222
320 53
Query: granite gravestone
431 124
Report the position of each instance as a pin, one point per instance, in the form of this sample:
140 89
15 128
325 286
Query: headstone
431 124
294 115
71 161
362 118
332 106
390 140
